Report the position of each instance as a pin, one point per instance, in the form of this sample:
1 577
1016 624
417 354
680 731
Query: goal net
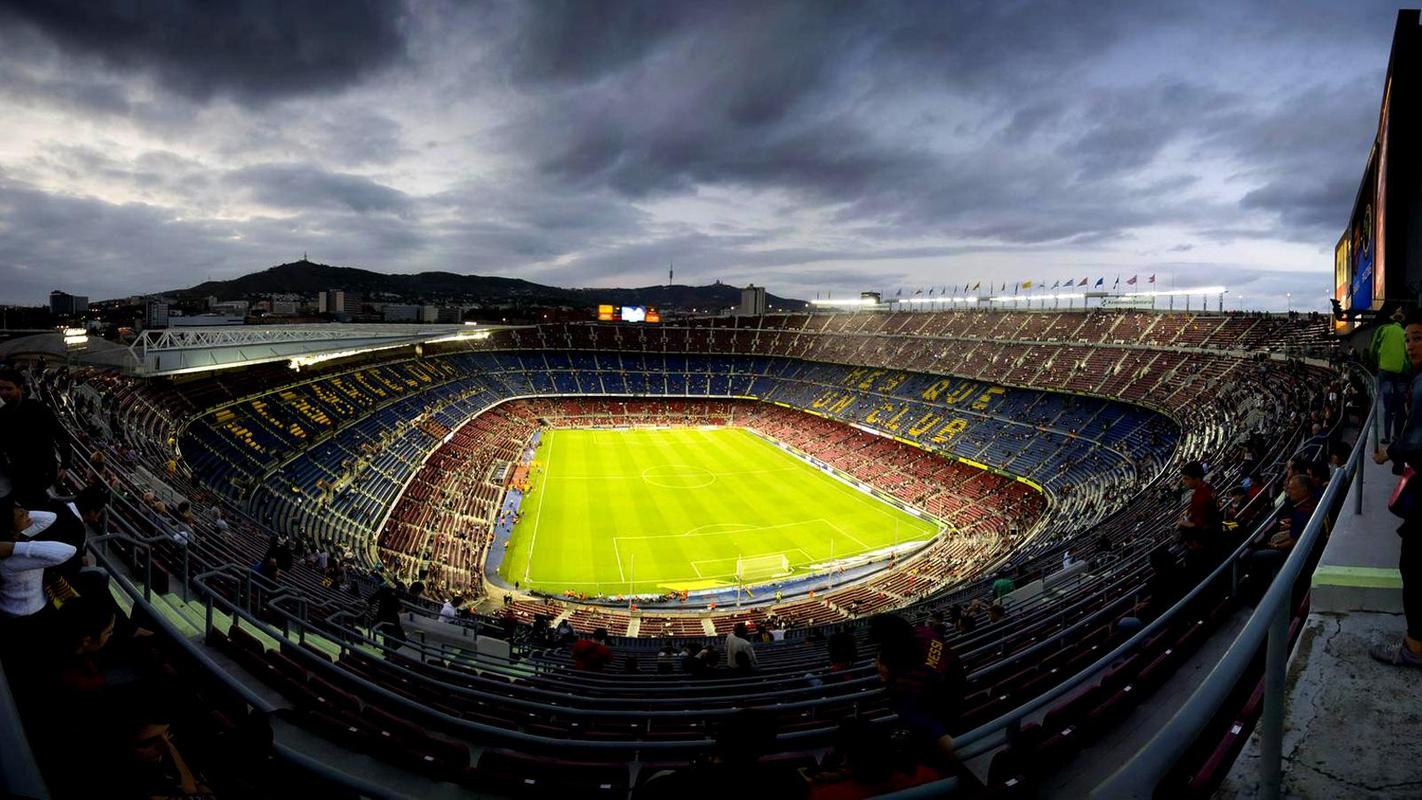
759 568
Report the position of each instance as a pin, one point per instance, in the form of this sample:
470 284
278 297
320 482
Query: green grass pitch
645 511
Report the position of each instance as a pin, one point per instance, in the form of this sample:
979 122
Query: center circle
678 476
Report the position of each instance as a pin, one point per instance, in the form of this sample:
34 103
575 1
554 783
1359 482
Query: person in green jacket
1389 352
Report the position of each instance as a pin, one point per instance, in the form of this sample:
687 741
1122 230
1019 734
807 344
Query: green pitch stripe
647 510
1358 577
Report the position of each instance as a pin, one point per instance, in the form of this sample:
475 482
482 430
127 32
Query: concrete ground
1352 726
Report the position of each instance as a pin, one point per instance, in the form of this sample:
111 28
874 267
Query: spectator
1164 586
866 763
451 608
1406 451
740 653
666 658
1203 513
592 655
1003 586
385 602
35 447
26 624
150 764
843 652
1234 508
690 664
1388 350
220 523
1290 524
564 634
924 681
733 767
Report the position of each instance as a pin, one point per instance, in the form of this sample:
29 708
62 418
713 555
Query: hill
305 277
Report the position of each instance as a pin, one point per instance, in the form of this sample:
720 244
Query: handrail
20 775
993 734
637 705
1139 777
468 727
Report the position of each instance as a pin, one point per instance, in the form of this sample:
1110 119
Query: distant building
331 301
207 320
399 312
232 307
155 314
285 308
63 304
752 301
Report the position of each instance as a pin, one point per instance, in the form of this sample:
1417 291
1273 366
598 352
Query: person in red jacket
592 655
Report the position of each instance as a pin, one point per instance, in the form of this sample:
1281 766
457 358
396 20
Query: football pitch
646 511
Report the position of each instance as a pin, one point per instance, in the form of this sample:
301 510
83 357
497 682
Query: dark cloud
253 50
814 144
301 186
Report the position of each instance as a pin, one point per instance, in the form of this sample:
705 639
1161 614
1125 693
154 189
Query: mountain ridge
306 277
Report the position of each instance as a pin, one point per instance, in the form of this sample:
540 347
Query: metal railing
19 774
989 736
1267 627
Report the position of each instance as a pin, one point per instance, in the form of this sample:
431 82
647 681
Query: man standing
34 445
1389 352
1406 449
1203 514
740 653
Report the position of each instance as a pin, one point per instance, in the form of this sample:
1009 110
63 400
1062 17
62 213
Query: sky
813 147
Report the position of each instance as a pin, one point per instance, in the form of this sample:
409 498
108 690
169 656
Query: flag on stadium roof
1055 284
1026 284
1132 281
930 291
1152 279
1117 283
900 293
976 285
917 292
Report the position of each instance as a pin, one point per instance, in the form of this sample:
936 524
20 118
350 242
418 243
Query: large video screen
1342 278
1363 240
634 314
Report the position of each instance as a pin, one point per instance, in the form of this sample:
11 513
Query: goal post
751 569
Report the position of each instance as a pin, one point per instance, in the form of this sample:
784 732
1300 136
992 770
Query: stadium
994 544
806 471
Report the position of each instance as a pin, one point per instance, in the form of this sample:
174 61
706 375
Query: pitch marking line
844 532
733 559
741 528
538 513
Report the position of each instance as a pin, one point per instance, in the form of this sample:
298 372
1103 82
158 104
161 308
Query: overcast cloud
811 146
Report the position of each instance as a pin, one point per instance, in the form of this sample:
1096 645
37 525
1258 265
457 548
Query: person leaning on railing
1406 451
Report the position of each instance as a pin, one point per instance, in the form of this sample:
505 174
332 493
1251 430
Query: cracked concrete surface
1352 726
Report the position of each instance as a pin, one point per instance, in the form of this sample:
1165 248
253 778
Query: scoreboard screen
611 313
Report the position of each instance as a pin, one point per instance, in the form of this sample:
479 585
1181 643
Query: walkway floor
1352 726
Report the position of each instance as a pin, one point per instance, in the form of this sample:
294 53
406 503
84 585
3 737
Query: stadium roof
177 351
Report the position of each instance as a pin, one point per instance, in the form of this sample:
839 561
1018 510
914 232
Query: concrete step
1358 570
